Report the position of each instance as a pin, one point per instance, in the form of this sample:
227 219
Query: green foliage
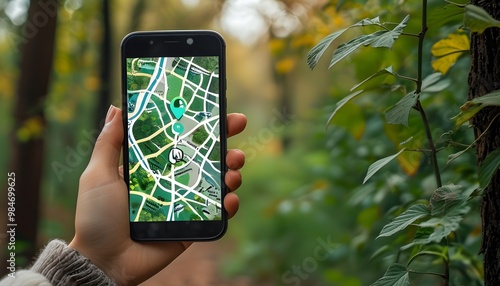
396 275
200 135
211 63
375 167
402 221
476 19
432 222
380 39
470 108
399 113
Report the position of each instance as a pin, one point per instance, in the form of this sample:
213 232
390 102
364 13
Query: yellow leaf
276 46
447 51
410 162
306 40
32 128
285 65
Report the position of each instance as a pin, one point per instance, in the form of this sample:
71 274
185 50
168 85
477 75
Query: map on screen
173 139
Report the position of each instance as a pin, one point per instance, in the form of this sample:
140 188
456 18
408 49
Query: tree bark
484 77
27 139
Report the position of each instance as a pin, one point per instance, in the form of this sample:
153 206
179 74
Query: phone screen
174 147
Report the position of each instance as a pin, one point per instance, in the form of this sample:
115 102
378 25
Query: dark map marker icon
175 155
178 107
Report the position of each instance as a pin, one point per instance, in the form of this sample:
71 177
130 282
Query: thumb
106 155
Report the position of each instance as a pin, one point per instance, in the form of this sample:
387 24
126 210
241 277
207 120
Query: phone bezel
172 44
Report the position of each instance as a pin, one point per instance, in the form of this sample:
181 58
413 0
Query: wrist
63 265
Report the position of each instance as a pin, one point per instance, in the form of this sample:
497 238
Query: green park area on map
173 139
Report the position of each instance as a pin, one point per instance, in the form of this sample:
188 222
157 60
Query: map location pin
177 128
178 107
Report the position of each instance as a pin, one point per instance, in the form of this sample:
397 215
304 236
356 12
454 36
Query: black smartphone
174 116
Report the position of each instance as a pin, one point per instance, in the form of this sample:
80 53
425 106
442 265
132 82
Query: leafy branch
441 217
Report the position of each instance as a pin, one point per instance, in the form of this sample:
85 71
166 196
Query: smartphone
174 116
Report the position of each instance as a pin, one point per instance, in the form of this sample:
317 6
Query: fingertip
236 123
235 159
232 204
233 180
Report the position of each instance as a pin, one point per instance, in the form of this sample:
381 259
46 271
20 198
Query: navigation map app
173 139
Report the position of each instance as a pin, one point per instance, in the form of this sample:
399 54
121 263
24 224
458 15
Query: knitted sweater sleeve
63 266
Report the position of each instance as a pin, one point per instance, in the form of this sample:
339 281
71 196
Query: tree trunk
27 139
104 98
484 78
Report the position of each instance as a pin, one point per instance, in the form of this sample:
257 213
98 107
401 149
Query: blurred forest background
305 216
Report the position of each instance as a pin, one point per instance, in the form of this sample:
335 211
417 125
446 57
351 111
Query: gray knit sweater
59 265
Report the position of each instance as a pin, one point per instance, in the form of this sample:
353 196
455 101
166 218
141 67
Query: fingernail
110 114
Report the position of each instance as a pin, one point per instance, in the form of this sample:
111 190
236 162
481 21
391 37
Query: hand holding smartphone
174 113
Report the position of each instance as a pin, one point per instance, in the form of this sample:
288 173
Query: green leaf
433 83
470 108
379 39
448 205
490 99
349 47
442 226
439 17
375 167
476 19
488 168
396 275
453 156
398 114
402 221
446 198
342 103
317 51
387 40
468 111
386 71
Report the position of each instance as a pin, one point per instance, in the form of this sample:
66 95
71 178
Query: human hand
102 231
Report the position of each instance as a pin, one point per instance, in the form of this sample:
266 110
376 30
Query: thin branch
426 253
421 38
478 137
406 78
445 258
430 141
419 150
418 105
410 35
446 272
458 144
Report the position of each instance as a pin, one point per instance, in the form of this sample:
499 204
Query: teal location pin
178 107
177 128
